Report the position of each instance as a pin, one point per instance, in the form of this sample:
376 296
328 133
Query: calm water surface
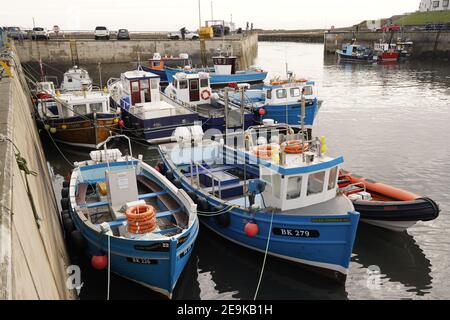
392 124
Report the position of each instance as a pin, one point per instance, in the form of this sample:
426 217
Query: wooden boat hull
392 208
83 132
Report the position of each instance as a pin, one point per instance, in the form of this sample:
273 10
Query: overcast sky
165 15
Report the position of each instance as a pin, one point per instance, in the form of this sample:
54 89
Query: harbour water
391 123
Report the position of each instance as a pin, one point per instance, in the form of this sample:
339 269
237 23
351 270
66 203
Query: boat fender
223 220
169 175
65 214
78 242
162 167
65 192
68 225
203 205
66 184
251 229
192 195
99 262
177 183
65 203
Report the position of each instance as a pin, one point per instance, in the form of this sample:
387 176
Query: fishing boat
356 53
224 72
405 48
386 206
275 194
281 101
130 219
386 52
194 92
80 116
146 112
157 65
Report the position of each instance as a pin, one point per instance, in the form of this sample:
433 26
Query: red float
262 112
121 124
251 229
99 262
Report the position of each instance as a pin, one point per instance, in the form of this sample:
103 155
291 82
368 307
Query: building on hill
434 5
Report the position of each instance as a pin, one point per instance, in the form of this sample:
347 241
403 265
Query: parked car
101 33
123 34
17 33
389 28
39 33
188 35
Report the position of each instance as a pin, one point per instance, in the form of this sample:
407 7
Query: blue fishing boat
194 92
146 112
281 101
157 65
130 219
269 192
356 53
224 72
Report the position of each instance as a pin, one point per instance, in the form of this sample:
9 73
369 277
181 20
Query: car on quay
39 33
188 35
123 34
17 33
101 32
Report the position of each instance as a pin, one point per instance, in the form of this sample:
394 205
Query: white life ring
206 94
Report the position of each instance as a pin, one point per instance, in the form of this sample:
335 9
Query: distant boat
405 48
224 72
130 219
193 91
281 101
356 53
261 193
146 112
157 65
79 116
386 52
386 206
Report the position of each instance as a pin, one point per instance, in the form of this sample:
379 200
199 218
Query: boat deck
161 109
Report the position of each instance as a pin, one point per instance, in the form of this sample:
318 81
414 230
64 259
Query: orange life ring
294 146
141 219
206 94
264 152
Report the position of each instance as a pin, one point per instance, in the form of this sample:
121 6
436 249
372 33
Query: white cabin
76 79
224 65
284 92
193 89
82 103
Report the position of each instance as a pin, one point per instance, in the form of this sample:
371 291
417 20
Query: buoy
116 120
121 124
262 112
99 262
53 130
251 229
169 175
64 127
177 183
47 127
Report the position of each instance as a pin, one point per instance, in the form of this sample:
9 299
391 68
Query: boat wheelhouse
223 72
157 65
405 48
271 193
130 219
355 53
194 92
77 118
281 101
145 111
76 79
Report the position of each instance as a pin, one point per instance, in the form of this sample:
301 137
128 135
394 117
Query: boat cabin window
276 185
154 83
79 109
175 83
134 86
96 107
281 94
144 84
183 84
315 183
294 188
333 178
295 92
156 63
69 79
308 90
204 83
269 94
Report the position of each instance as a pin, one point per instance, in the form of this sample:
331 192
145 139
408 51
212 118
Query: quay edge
33 256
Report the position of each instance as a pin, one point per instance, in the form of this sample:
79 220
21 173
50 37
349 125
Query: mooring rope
265 257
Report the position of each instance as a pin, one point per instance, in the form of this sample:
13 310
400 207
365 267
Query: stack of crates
206 33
